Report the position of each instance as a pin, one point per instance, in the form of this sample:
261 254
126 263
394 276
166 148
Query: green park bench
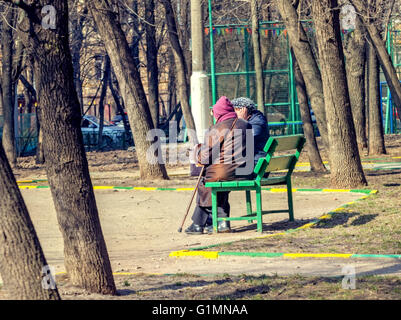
271 163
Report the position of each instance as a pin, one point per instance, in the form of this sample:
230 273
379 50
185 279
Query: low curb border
366 191
217 254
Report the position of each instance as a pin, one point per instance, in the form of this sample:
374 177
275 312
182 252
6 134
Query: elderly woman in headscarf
222 153
246 110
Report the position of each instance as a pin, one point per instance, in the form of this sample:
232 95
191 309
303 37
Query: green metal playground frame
294 121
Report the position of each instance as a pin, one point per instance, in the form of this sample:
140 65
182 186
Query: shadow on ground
340 218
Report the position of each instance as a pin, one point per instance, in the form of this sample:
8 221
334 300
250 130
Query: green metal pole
212 63
388 103
394 119
248 89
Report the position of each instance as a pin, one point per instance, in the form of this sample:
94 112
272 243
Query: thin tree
23 266
105 82
181 69
345 163
132 90
85 253
78 17
365 12
151 61
7 83
355 54
260 99
40 157
120 108
307 63
314 156
376 144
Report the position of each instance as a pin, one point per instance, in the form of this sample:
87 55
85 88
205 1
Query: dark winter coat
260 133
215 168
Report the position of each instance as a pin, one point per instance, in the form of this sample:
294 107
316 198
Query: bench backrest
273 162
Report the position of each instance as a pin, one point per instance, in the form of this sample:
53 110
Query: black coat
260 133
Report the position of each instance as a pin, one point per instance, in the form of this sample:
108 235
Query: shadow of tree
342 218
339 218
363 219
178 284
383 172
243 293
251 291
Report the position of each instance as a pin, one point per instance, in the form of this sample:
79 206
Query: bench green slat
246 183
279 163
212 184
273 180
229 184
286 142
252 215
259 165
237 183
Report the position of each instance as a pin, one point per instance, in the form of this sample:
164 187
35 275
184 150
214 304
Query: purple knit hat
223 110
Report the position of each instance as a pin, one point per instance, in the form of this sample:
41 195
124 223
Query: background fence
232 72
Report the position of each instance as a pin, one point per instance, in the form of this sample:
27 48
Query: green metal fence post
389 106
248 89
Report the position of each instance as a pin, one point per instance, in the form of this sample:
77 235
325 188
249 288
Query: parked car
118 120
90 130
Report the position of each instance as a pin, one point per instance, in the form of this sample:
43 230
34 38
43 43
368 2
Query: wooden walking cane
193 195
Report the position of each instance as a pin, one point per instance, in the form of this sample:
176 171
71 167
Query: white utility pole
199 80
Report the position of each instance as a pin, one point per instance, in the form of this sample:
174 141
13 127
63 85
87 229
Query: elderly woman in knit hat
246 110
222 153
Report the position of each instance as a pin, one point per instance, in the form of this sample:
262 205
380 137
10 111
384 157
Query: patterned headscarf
244 102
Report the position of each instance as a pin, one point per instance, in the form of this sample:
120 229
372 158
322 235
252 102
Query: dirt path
140 227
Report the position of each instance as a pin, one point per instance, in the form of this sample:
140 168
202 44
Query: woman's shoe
222 227
194 229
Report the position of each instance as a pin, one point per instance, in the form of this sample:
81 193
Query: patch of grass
369 226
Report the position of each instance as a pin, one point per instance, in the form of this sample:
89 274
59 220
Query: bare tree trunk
85 253
181 69
315 159
307 63
385 60
172 83
260 99
77 21
120 108
376 133
22 261
1 99
7 38
151 62
345 163
355 53
129 81
28 97
39 157
103 92
136 35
